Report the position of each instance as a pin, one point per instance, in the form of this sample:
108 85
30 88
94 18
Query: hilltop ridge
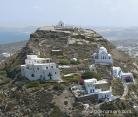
52 99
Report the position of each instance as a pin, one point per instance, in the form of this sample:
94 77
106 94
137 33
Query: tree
117 87
89 75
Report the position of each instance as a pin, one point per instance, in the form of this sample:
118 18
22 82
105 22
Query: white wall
104 95
41 71
104 58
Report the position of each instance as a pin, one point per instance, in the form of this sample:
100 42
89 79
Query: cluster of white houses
36 68
102 57
90 85
125 77
90 89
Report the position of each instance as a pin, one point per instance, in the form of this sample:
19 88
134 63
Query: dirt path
125 91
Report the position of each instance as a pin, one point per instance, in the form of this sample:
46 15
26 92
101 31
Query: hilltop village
68 71
45 69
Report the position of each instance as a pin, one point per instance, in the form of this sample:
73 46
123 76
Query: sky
112 13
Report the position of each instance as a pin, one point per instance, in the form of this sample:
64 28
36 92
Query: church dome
103 49
61 23
109 55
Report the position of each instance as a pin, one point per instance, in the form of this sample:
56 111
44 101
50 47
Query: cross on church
50 75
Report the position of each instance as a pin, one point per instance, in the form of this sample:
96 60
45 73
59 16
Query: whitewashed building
40 69
92 68
117 72
125 77
90 86
102 57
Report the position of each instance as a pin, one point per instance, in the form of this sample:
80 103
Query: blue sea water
9 37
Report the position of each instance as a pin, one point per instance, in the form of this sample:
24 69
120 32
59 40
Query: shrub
89 75
32 84
117 87
74 62
71 79
56 112
65 102
3 73
64 62
59 87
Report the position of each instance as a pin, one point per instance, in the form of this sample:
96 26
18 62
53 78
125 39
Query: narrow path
125 91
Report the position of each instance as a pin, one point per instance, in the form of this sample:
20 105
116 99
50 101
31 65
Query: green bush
64 62
65 102
32 84
56 112
72 62
71 79
89 75
117 87
3 73
59 87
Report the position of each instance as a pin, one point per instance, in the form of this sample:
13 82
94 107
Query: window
41 77
33 75
38 68
46 67
51 66
55 72
50 76
47 61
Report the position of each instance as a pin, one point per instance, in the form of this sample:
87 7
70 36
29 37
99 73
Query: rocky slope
19 97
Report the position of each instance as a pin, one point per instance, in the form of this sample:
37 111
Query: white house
90 86
117 72
102 57
6 55
40 69
125 77
92 67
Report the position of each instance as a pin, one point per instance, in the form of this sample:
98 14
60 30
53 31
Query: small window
33 75
51 66
41 76
38 68
55 72
47 61
46 67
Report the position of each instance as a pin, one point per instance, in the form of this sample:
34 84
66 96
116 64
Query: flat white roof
116 67
125 74
108 91
90 80
42 64
56 50
47 28
101 82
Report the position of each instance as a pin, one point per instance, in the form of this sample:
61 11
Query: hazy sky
78 12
